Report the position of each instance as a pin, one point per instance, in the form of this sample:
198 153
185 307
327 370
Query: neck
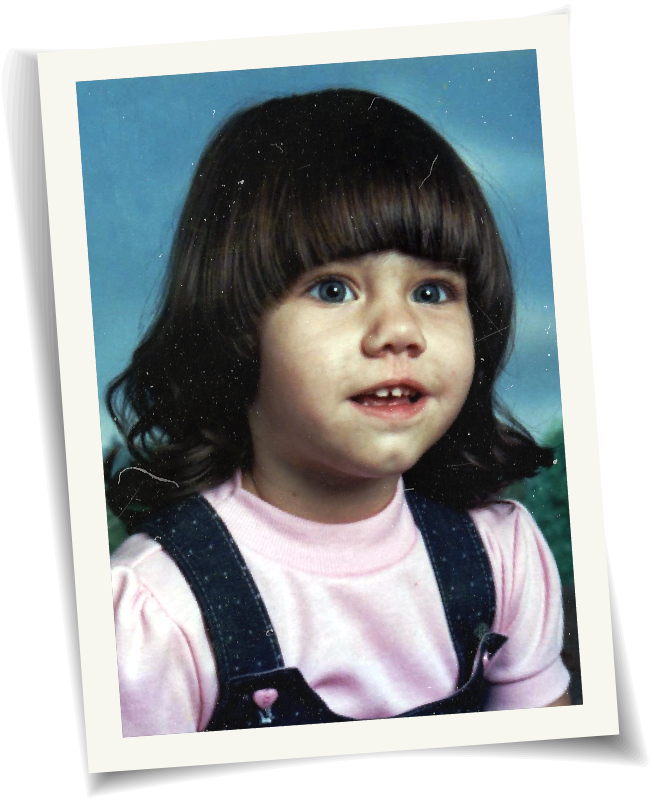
320 497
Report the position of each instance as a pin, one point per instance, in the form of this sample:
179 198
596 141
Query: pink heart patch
264 698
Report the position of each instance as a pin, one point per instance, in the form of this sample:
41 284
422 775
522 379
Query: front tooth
382 392
397 392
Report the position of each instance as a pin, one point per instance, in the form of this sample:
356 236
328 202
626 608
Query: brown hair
283 187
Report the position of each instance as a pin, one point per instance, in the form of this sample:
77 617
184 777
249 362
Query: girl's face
364 365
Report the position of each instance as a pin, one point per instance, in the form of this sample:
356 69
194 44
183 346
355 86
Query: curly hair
283 187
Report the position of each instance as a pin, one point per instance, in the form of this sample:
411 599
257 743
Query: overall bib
256 688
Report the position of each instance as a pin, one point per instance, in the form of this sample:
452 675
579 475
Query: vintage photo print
326 347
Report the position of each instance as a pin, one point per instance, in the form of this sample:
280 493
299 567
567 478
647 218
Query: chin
385 466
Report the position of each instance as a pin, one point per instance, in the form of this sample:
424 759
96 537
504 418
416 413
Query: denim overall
247 654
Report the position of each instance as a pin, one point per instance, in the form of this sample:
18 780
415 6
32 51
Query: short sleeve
527 672
166 679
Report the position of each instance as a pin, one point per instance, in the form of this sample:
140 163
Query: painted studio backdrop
141 138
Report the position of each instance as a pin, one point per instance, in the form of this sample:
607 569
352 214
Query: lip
389 413
399 411
390 384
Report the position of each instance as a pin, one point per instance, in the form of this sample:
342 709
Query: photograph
326 399
328 388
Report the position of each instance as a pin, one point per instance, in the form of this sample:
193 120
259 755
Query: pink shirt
355 608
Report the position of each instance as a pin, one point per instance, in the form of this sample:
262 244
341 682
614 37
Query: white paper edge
106 748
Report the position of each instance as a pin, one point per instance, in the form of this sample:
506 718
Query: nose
393 329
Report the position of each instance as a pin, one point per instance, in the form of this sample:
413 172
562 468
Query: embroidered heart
264 698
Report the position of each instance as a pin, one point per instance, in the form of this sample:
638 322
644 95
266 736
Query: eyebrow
449 266
456 268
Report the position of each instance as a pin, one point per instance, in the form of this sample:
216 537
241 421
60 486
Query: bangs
405 201
299 182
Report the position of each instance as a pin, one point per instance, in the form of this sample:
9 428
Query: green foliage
546 497
117 531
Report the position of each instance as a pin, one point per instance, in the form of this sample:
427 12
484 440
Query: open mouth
389 396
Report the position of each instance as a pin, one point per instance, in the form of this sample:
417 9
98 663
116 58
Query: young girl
316 439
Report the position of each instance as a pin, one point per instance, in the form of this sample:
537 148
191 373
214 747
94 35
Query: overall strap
463 573
234 613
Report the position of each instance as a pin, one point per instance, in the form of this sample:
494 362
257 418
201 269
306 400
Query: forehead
394 260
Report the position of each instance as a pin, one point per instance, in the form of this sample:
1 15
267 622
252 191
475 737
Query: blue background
141 137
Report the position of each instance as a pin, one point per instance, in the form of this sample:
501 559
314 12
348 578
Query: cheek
467 353
457 383
295 371
304 356
470 362
457 363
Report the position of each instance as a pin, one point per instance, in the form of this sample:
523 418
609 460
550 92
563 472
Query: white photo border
106 748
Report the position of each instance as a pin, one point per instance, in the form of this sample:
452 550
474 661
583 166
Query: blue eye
332 290
430 293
